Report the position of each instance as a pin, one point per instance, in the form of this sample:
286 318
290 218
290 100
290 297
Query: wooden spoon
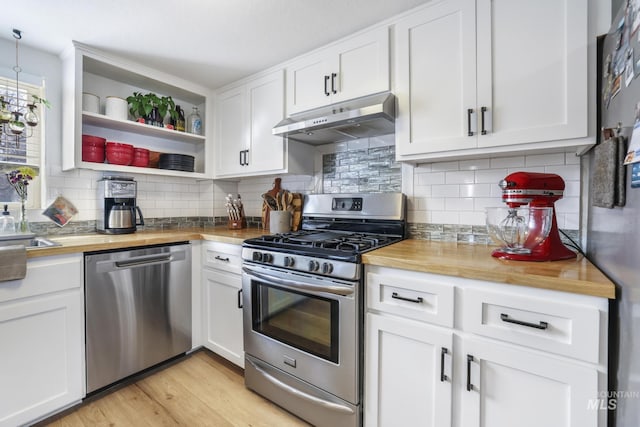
271 201
287 198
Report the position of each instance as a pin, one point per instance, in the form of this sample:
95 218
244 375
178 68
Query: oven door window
306 322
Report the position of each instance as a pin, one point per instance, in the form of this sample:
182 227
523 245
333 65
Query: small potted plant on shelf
151 108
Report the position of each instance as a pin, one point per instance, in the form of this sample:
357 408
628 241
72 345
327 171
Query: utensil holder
237 224
279 222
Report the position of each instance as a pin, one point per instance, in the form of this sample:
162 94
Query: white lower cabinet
222 296
503 384
408 373
41 340
506 358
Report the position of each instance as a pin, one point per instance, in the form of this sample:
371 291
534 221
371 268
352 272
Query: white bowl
116 108
519 230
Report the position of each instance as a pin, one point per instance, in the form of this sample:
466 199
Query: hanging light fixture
18 117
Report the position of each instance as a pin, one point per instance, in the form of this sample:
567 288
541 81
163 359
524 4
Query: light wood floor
201 390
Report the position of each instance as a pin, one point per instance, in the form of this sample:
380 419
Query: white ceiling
210 42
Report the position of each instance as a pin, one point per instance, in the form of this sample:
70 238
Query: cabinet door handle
539 325
469 360
246 157
219 258
418 300
483 110
333 83
326 88
443 352
240 160
240 298
469 113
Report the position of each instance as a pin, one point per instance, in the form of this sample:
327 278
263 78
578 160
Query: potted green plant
150 108
30 116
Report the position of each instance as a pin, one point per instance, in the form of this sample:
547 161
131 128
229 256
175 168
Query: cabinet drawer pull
443 352
418 300
539 325
469 360
333 83
219 258
469 113
326 88
483 110
240 298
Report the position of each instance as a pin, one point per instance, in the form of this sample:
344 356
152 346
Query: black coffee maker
117 205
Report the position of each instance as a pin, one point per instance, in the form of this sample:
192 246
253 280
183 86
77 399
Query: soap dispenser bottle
7 222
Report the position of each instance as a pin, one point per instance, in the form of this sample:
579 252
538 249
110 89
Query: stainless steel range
303 298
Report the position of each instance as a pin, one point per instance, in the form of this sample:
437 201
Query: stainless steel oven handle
337 290
286 387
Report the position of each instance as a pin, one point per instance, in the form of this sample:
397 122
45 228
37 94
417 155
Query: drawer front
421 299
45 275
555 326
222 256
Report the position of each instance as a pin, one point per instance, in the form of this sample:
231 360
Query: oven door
305 325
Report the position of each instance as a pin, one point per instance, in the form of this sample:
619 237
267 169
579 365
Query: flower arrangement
19 180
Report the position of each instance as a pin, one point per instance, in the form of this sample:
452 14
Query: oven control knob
327 268
289 261
266 257
257 256
314 265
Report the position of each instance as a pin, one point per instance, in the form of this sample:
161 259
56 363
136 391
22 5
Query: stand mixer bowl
519 229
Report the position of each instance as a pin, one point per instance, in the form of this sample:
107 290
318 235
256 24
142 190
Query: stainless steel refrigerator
613 234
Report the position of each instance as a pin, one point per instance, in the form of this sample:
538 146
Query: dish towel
13 262
609 174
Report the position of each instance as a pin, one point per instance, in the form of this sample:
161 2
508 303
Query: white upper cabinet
92 71
352 68
245 146
231 131
491 76
436 78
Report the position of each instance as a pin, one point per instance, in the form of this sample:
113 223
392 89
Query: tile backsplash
446 200
369 169
457 192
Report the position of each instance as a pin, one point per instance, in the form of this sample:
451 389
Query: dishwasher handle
109 265
137 262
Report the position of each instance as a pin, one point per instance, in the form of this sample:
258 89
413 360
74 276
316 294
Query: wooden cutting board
297 211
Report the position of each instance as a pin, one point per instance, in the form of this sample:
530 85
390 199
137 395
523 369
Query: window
23 150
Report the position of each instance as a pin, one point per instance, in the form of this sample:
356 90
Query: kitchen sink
30 241
41 242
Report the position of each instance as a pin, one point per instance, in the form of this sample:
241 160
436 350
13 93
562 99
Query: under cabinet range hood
364 117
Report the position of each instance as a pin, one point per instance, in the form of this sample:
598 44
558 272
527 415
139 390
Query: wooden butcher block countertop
99 242
452 259
475 262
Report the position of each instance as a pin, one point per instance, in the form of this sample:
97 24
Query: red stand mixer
527 226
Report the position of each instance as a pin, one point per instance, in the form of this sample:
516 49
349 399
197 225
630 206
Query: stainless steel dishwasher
137 311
